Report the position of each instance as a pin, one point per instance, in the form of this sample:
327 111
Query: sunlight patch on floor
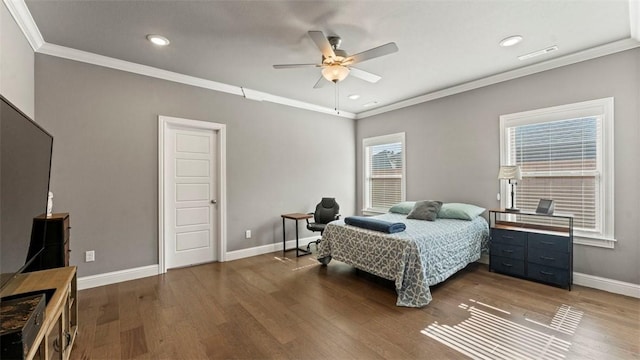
314 262
286 260
566 320
485 335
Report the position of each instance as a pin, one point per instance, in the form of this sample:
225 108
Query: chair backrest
326 211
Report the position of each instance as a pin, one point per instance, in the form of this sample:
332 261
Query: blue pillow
459 211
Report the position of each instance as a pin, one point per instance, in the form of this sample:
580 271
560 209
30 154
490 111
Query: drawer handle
507 237
547 258
56 345
508 251
67 337
547 242
546 273
507 265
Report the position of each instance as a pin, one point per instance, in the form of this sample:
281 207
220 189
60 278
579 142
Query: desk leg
284 240
297 247
300 252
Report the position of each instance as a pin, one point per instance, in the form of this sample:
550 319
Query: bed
425 254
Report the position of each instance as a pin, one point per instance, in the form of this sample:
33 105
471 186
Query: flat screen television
25 165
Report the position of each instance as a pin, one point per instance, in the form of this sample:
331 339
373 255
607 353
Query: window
565 153
384 172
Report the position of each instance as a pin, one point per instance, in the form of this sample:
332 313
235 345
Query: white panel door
190 196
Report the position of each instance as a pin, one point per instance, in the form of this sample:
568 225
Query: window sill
372 212
600 242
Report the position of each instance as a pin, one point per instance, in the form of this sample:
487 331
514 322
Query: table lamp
511 173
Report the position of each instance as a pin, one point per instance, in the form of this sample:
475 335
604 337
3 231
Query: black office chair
326 211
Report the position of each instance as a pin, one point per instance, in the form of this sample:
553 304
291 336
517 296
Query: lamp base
512 210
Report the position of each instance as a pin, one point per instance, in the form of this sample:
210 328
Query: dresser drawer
507 250
548 258
507 266
508 237
548 274
548 242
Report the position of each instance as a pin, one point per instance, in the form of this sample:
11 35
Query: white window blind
565 153
384 171
559 160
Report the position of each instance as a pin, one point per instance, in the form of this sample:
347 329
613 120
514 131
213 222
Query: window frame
602 108
381 140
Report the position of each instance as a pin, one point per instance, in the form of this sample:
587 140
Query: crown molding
109 62
634 18
20 12
262 96
23 18
599 51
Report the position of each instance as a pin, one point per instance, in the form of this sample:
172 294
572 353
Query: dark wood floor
264 307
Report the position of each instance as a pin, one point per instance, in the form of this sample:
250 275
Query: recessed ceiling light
510 41
354 96
371 103
158 39
538 53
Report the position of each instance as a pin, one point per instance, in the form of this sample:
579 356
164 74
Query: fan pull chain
337 99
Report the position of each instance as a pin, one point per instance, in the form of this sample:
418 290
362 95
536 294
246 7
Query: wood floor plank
269 307
133 343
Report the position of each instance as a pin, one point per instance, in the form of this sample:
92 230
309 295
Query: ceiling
442 43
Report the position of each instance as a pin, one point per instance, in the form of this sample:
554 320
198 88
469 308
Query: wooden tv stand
58 332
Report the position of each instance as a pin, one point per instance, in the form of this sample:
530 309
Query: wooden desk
296 217
58 332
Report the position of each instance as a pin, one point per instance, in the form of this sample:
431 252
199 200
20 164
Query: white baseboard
87 282
613 286
265 249
91 281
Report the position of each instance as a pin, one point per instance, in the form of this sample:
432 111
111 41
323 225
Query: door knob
214 202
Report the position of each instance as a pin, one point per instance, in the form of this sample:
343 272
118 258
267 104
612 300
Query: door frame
164 122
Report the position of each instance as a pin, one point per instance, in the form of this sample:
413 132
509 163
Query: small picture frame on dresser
545 206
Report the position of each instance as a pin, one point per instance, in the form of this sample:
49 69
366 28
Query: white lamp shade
335 73
510 172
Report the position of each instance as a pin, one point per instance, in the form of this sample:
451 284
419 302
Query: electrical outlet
90 256
247 234
498 197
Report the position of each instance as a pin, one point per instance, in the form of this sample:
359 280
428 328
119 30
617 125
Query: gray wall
104 122
453 150
16 64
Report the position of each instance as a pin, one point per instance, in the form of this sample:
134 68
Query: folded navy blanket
375 224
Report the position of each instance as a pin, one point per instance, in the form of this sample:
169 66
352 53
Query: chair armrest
307 220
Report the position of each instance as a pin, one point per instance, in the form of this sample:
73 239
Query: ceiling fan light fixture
158 40
335 73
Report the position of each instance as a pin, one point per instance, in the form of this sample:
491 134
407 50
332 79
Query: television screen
25 163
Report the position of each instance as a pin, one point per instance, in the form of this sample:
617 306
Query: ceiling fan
337 64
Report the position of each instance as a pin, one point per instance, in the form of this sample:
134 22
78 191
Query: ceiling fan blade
364 75
381 50
290 66
322 43
320 83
